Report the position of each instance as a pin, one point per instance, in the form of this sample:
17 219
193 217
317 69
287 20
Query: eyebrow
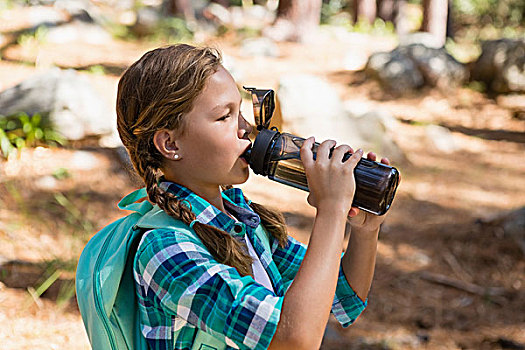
225 106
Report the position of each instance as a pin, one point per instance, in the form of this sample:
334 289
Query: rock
437 67
83 160
422 38
408 68
63 98
420 259
441 139
264 47
230 64
79 32
80 10
147 19
355 60
514 224
375 128
256 14
46 183
45 16
395 72
515 103
218 13
510 225
311 106
501 65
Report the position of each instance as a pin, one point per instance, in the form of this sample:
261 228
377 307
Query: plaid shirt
182 288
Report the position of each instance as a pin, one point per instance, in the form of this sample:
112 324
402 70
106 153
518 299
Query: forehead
220 89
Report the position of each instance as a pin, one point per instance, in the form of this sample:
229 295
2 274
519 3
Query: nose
245 128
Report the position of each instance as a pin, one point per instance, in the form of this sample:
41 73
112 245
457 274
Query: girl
179 118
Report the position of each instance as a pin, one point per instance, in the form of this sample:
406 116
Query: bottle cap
259 151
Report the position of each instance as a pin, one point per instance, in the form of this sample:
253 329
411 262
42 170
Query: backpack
105 285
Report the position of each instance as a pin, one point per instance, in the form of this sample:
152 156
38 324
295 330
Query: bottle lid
260 149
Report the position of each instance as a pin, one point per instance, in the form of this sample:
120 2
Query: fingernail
360 151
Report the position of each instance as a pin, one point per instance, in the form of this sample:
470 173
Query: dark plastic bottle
277 155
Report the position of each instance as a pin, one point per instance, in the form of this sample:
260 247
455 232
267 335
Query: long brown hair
155 93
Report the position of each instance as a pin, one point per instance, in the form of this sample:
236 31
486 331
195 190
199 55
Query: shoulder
168 243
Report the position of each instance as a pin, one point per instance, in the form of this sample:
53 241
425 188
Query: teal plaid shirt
182 288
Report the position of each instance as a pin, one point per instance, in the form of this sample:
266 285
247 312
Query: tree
181 8
297 20
393 11
435 17
365 9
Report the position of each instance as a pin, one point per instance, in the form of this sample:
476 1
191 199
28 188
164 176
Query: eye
223 118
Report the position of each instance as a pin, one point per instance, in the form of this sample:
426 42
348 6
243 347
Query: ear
166 143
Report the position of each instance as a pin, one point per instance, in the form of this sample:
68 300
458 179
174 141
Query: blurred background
437 86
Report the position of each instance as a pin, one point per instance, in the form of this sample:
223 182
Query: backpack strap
157 218
129 202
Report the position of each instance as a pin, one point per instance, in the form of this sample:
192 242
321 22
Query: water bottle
277 156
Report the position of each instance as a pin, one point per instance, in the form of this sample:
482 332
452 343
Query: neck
211 194
214 197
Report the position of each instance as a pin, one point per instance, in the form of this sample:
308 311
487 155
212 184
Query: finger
340 151
306 152
354 159
353 212
323 151
385 161
371 156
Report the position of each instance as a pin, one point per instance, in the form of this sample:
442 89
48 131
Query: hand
330 181
362 220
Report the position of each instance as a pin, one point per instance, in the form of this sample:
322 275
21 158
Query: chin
241 179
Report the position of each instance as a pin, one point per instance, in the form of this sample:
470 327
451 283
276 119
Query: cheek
213 147
214 153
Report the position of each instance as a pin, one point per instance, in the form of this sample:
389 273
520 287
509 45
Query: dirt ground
441 222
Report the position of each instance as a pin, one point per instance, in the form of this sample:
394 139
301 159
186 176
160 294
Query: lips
246 154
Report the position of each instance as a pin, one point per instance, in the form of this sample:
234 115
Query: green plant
463 51
96 69
33 38
21 130
74 214
56 271
379 27
333 8
61 174
172 29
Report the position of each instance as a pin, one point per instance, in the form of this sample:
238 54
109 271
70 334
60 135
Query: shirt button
237 228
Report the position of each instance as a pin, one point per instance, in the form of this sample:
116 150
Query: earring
176 156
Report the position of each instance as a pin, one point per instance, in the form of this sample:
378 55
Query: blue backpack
105 285
104 281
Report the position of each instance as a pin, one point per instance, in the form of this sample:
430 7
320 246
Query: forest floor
442 221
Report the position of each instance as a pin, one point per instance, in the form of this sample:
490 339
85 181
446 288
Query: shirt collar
208 214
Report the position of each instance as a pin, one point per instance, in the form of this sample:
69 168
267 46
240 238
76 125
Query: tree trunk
297 20
400 19
225 3
386 9
393 11
435 13
181 8
365 9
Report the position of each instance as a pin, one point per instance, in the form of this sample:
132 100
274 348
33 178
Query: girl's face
215 136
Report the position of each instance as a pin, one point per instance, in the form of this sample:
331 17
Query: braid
273 221
222 246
